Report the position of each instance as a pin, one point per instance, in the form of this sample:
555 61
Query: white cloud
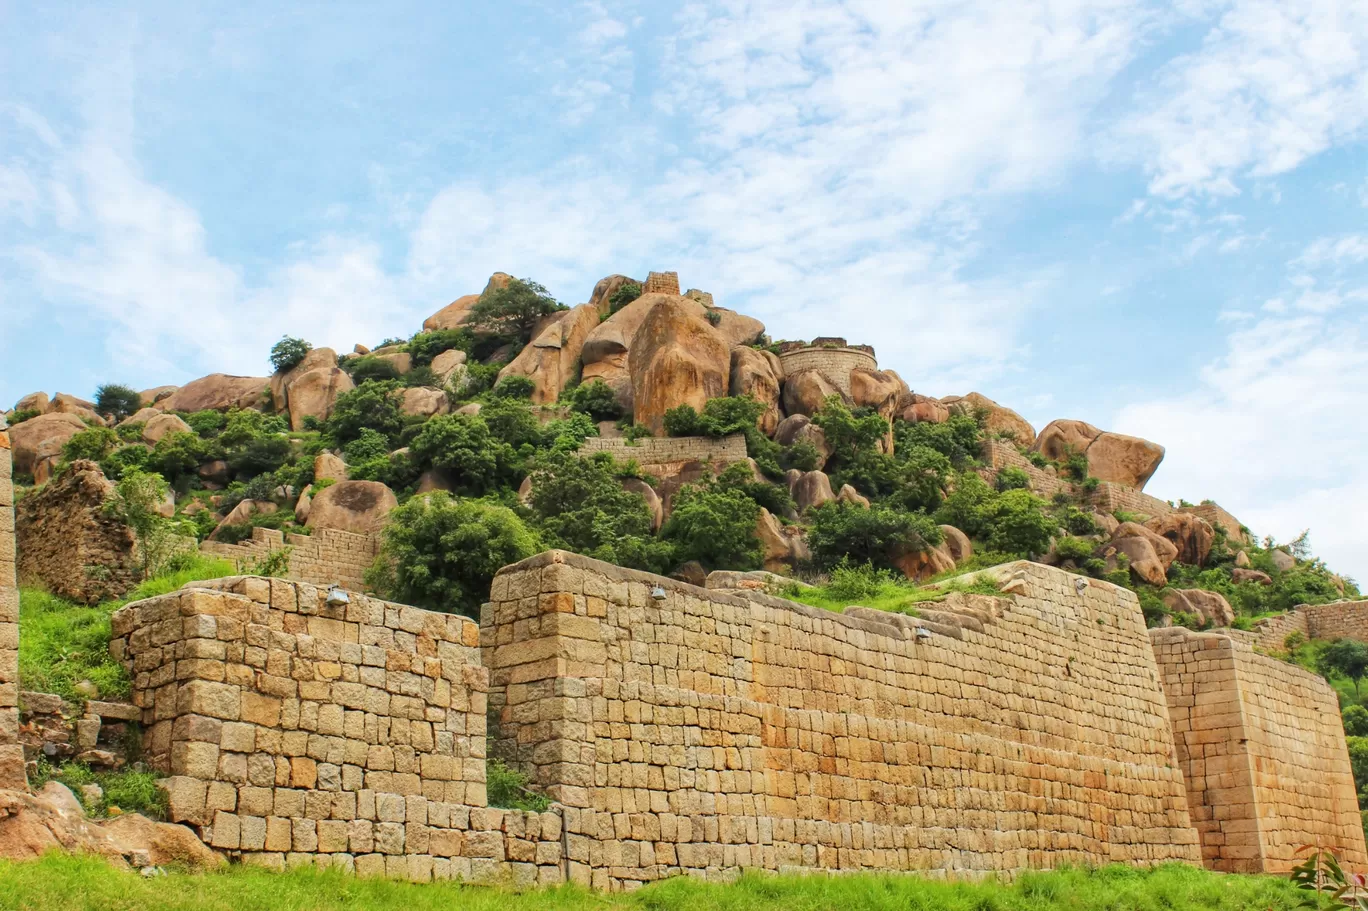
1336 251
1274 83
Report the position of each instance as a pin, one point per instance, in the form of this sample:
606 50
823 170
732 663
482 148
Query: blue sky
1152 216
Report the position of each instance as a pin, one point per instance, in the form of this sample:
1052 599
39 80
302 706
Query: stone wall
351 735
1216 516
833 363
709 732
1339 620
326 557
999 454
11 752
666 456
1270 633
661 283
66 543
1261 746
1110 497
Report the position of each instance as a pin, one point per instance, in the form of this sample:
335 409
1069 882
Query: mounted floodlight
337 596
658 592
923 633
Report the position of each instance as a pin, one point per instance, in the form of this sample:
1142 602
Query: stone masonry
706 733
11 752
833 363
1261 746
665 457
1000 454
662 283
296 730
326 557
1338 620
1109 498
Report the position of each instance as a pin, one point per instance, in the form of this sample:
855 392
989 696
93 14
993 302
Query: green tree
177 455
720 417
93 443
595 399
849 434
847 532
461 446
514 386
513 310
1345 658
370 405
1018 524
512 421
624 295
959 439
714 526
1355 720
289 353
969 506
135 501
425 346
117 400
371 369
924 473
441 553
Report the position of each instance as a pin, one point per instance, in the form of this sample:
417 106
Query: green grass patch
878 589
88 884
129 790
508 788
61 644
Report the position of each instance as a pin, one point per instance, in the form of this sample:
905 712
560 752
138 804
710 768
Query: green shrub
773 497
508 789
1076 549
513 310
624 295
849 434
61 644
714 317
130 790
130 433
720 417
177 456
959 439
1037 459
94 443
1078 522
117 400
714 526
566 434
595 399
1355 721
18 417
923 474
844 531
800 456
862 581
463 447
441 553
514 387
511 420
206 423
969 505
1013 479
1018 524
371 369
425 346
372 405
289 353
124 458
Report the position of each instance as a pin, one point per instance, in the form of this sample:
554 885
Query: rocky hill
646 427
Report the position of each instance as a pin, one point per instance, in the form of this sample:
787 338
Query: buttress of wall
11 752
710 732
292 727
1262 748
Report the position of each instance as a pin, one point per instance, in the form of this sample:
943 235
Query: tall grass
87 884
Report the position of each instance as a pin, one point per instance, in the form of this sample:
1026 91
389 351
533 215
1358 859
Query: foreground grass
865 586
86 884
61 644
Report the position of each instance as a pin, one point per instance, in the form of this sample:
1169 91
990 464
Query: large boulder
1060 438
329 467
880 390
848 494
242 514
798 428
31 825
677 358
314 394
956 543
1282 560
1000 419
141 416
919 563
781 546
553 357
424 402
1125 460
156 394
450 369
1190 534
281 379
925 408
355 506
34 401
602 298
1210 607
1238 574
760 375
62 403
161 425
218 392
648 493
1150 554
806 391
41 438
812 489
454 314
161 842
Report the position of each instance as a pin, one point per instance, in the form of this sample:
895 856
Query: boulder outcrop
806 391
1150 554
812 489
925 408
1000 419
314 394
218 392
1114 457
359 507
454 314
161 425
34 401
552 357
329 467
1190 534
41 438
677 359
602 297
759 375
424 402
1210 607
280 381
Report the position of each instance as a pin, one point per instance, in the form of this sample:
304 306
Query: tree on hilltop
514 309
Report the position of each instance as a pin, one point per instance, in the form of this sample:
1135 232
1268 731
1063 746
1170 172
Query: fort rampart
1261 746
326 557
1338 620
11 752
834 363
666 456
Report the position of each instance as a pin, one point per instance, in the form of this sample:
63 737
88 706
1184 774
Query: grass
88 884
133 789
865 586
61 644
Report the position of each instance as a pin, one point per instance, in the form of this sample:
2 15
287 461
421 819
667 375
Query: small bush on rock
513 310
371 369
514 387
1013 479
94 443
372 405
289 353
425 346
595 399
846 532
117 400
624 295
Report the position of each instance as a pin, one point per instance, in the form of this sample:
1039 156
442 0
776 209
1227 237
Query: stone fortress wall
1262 749
11 752
834 360
326 557
1000 454
1109 498
666 456
708 732
1337 620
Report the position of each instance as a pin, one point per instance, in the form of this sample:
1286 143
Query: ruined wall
709 732
1262 749
833 363
999 454
67 545
326 557
1339 620
661 283
1110 497
1216 516
1270 633
666 456
348 735
11 752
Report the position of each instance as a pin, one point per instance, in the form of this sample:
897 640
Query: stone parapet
11 752
326 557
1338 620
1109 498
666 456
695 731
1000 454
1218 517
833 362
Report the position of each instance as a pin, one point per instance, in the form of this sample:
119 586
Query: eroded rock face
424 401
1282 560
329 467
1190 534
648 493
925 408
880 390
141 416
161 425
1060 438
242 513
550 360
281 380
806 391
760 375
218 392
34 401
921 564
848 494
314 394
677 359
454 314
1001 419
1211 607
156 394
956 543
812 489
359 507
1150 554
1115 457
41 438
